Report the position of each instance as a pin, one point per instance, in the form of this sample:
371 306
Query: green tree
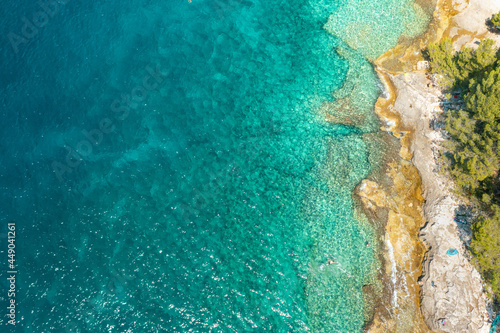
474 131
496 20
442 60
483 98
486 248
458 68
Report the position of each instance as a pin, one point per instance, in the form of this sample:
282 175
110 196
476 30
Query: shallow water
169 167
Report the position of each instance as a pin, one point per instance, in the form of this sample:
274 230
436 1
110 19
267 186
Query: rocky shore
446 288
452 297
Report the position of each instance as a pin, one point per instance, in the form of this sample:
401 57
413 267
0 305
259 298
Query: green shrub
486 248
442 60
496 20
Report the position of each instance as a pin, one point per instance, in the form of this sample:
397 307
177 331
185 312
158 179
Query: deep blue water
169 167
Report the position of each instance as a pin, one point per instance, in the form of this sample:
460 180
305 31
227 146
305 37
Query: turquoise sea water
169 167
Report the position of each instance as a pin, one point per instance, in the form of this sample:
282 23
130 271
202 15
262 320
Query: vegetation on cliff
473 154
